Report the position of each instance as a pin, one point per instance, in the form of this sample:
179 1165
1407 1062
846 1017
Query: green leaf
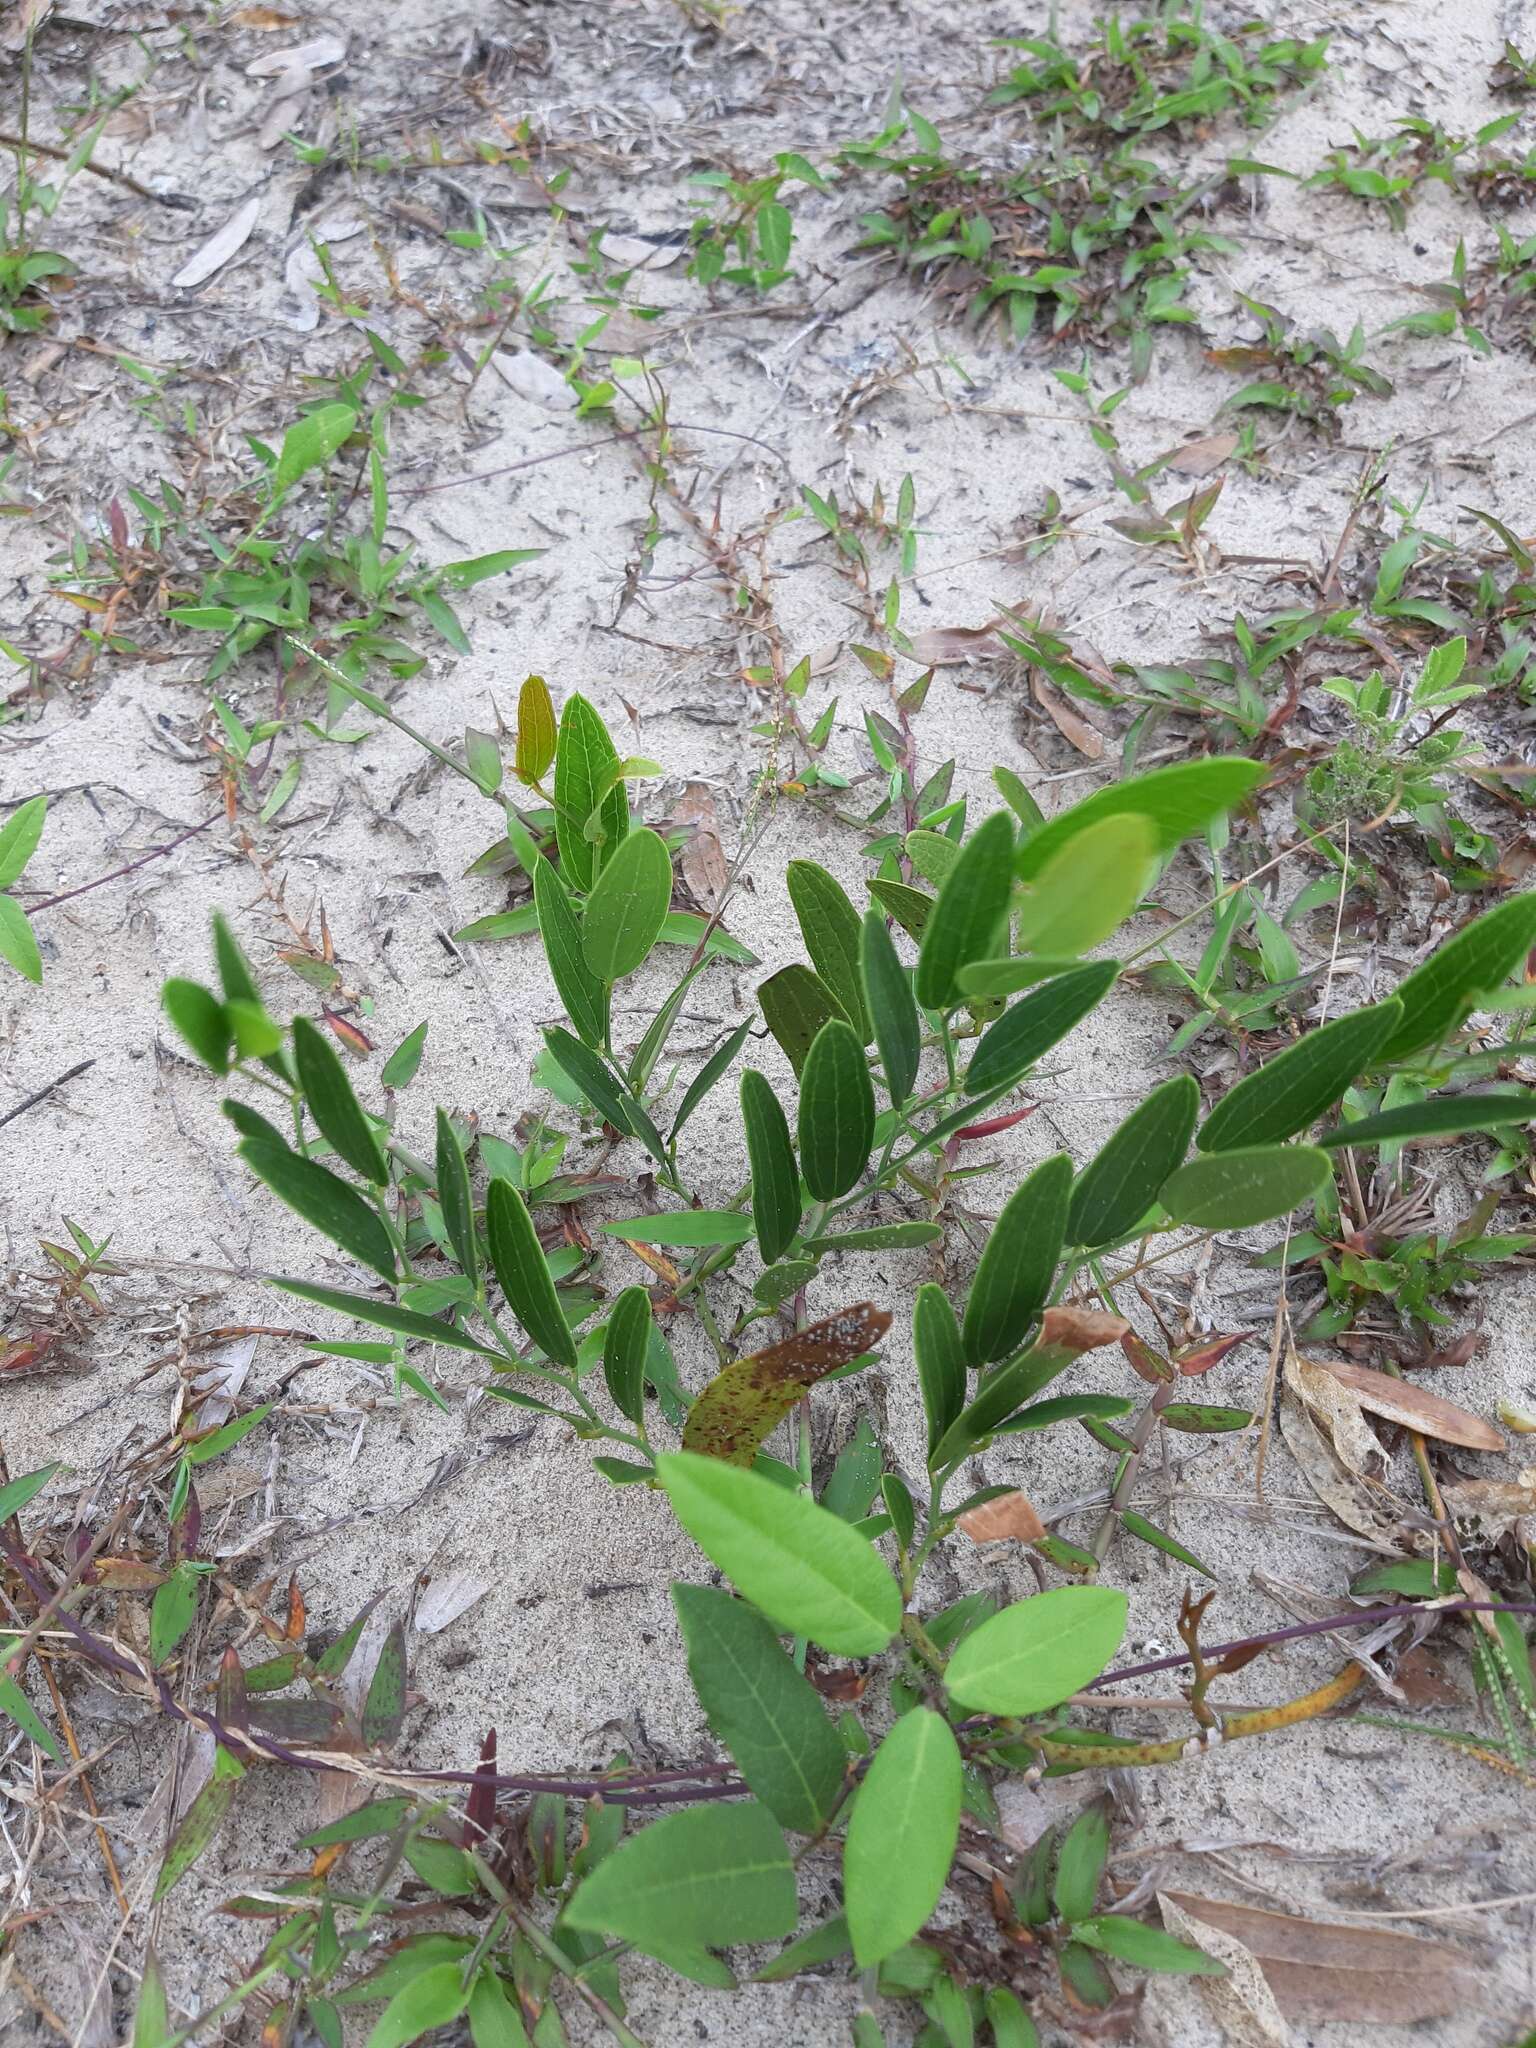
535 731
218 1441
698 1088
378 1817
1201 1418
837 1112
15 1495
18 838
1295 1087
494 2021
1080 1863
152 2018
523 1272
910 907
172 1611
15 1706
627 906
388 1315
1177 801
400 1069
1013 1279
456 1200
706 1878
625 1346
330 1204
892 1008
1440 1116
1028 1030
761 1708
1005 977
823 1944
795 1005
940 1357
333 1105
203 1819
1149 1948
747 1400
1159 1539
584 755
201 1019
831 929
902 1834
972 905
1231 1190
1036 1652
311 441
771 1156
879 1237
1118 1186
1089 888
384 1703
473 569
18 943
1479 959
685 1227
1011 2025
584 997
807 1570
608 1096
431 1999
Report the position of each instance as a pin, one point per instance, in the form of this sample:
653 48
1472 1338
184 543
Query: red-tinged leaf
201 1824
230 1702
740 1407
1146 1363
480 1807
352 1036
989 1127
1204 1357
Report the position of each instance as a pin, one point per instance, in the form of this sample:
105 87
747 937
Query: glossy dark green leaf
892 1008
333 1206
795 1004
202 1821
584 757
455 1199
523 1271
709 1877
972 905
940 1355
837 1112
902 1834
607 1094
1178 800
1030 1027
335 1109
1118 1186
584 996
769 1717
830 926
1231 1190
704 1080
910 907
628 905
1438 1116
388 1315
624 1351
775 1177
1018 1263
1292 1090
201 1020
1478 960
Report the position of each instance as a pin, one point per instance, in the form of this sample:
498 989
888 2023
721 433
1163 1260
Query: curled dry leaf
1242 2003
219 248
944 646
1324 1970
1487 1510
740 1406
1401 1401
1080 1329
533 378
1369 1509
1199 458
1072 726
314 55
1339 1411
634 252
1011 1517
702 860
449 1596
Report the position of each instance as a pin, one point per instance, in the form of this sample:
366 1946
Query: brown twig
179 201
42 1094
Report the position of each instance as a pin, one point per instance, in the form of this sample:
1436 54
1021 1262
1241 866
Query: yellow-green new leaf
535 731
1089 888
902 1835
1038 1651
1176 801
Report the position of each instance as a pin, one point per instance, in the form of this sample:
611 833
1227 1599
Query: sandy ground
844 378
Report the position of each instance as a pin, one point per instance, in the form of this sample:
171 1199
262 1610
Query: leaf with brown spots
739 1408
702 860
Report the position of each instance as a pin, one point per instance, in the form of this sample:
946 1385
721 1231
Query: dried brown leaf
702 860
1011 1517
1242 2003
1401 1401
1324 1970
1199 458
220 247
741 1405
1079 1329
1370 1510
944 646
1487 1510
27 20
303 58
1072 726
1340 1413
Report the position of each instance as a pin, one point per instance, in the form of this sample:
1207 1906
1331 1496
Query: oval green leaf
706 1878
1027 1031
685 1227
579 989
1479 959
333 1106
837 1112
808 1570
940 1357
1231 1190
1036 1652
628 906
1014 1277
1118 1186
323 1199
892 1008
625 1345
829 924
1441 1116
795 1004
584 757
523 1272
972 905
775 1177
1089 888
1177 801
1293 1089
902 1834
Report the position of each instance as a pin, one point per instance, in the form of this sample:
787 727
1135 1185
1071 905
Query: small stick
179 201
42 1093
